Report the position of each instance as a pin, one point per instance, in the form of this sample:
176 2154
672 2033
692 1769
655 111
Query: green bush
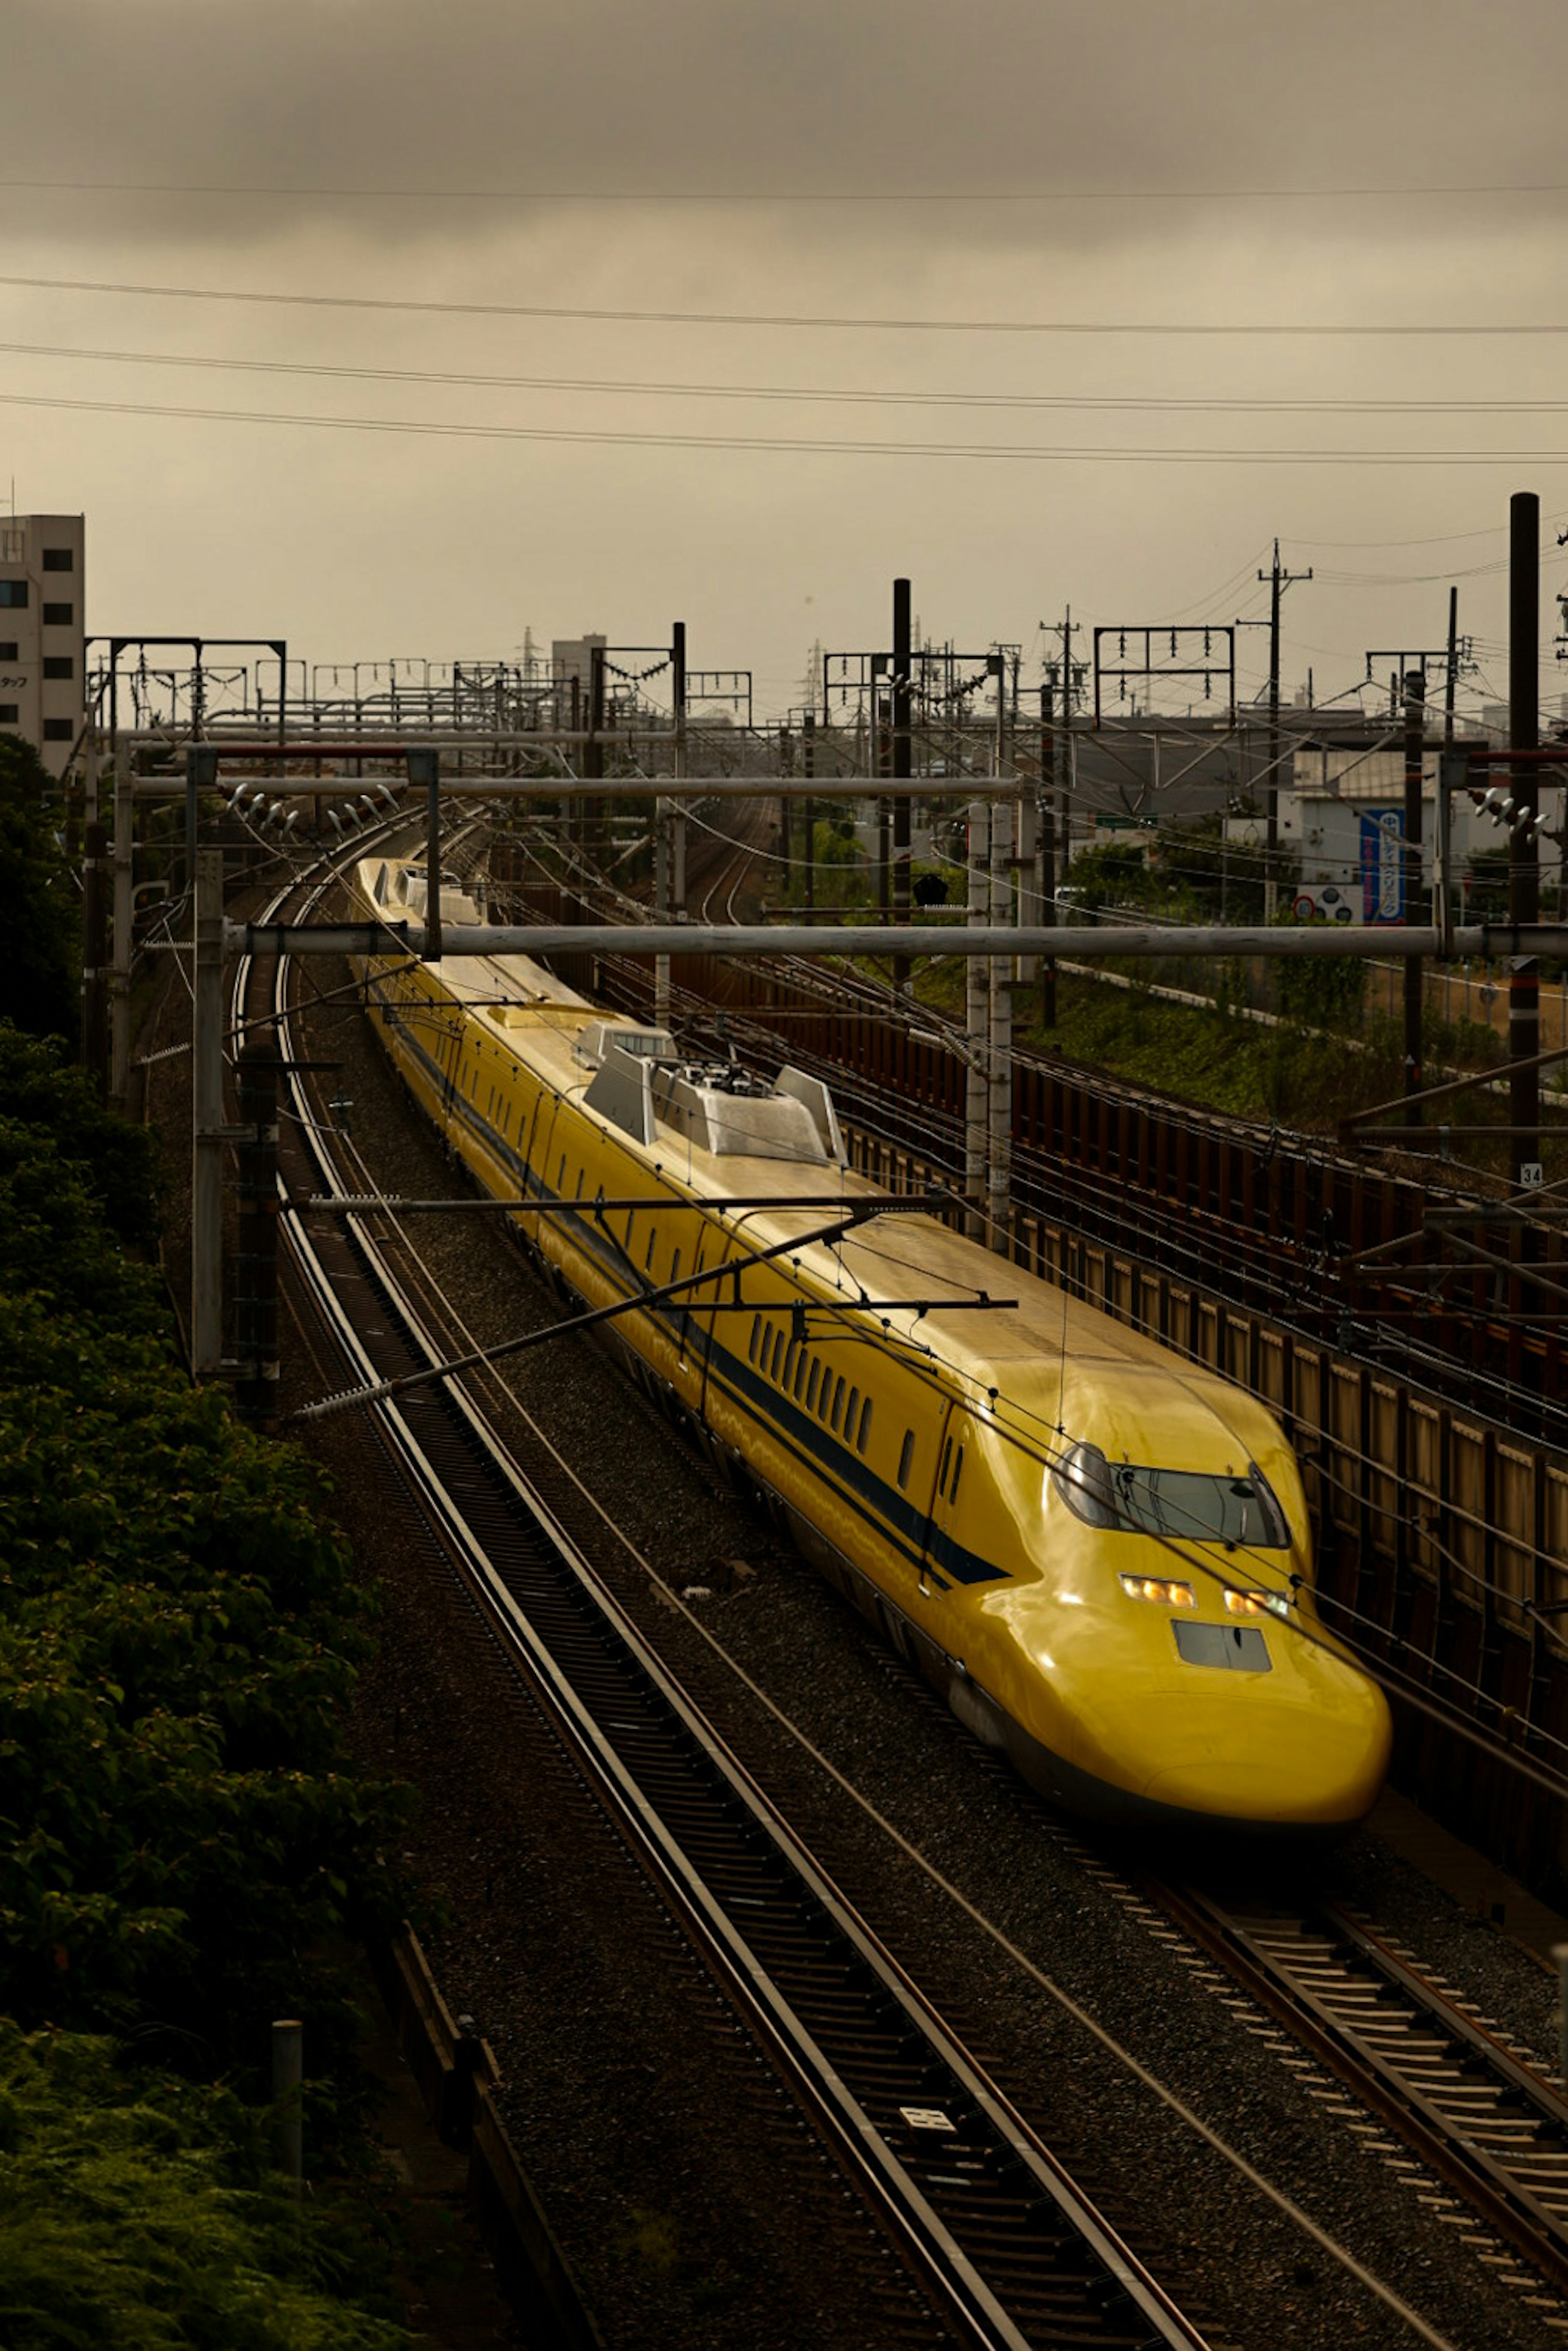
40 911
138 2214
178 1632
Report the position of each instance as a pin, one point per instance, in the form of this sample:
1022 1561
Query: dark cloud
787 100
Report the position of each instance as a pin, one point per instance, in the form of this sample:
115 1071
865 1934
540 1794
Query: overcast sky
1225 163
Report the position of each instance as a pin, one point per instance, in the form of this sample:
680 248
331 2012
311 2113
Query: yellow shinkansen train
1097 1552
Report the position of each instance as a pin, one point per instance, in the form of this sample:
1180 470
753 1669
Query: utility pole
1278 582
809 810
1451 678
903 718
1047 852
1415 974
669 828
207 1118
1525 862
999 1059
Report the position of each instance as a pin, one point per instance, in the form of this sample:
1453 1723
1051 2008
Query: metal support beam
1415 970
255 1270
972 938
207 1121
1000 1063
1524 860
424 770
902 719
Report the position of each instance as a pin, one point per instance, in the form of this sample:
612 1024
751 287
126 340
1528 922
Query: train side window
790 1353
801 1368
676 1267
580 1174
947 1464
756 1336
778 1350
906 1457
865 1427
561 1176
851 1409
838 1405
814 1384
957 1473
648 1261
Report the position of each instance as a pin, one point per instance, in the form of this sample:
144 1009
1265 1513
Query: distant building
571 673
1344 814
43 644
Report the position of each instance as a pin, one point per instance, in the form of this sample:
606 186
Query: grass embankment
1304 1073
182 1834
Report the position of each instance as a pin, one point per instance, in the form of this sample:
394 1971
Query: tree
40 973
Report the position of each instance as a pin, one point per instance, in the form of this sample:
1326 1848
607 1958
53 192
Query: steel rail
941 2156
1489 2125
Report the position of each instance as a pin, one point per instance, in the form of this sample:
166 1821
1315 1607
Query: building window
8 651
13 595
60 730
59 559
59 666
10 714
60 616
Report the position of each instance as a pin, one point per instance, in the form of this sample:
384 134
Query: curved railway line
1007 2250
963 2193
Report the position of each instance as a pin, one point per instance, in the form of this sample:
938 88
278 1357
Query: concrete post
207 1121
95 954
1000 1060
287 2099
977 1024
120 983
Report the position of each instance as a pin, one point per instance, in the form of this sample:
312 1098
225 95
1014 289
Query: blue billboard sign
1383 865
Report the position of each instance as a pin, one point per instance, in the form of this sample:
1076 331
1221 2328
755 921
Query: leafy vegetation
140 2215
40 913
180 1832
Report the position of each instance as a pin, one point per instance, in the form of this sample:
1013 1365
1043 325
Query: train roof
1083 1363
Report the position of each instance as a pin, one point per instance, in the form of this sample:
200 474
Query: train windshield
1182 1504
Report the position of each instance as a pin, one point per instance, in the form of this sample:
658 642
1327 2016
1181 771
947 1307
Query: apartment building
43 642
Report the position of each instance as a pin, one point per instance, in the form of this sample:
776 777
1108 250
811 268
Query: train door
944 1545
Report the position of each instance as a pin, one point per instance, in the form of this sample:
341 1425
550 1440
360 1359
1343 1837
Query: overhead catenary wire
1149 403
861 323
652 193
585 436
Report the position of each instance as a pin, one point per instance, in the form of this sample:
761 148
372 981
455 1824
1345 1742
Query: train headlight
1158 1588
1258 1603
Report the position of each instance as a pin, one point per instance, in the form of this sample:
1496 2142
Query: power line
926 195
1071 327
1015 453
659 388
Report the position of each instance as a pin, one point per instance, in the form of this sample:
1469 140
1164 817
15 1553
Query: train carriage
1098 1551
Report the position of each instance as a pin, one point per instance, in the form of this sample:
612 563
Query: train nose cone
1261 1762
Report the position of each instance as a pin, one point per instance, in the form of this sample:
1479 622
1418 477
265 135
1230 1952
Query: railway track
982 2187
963 2196
1479 2111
